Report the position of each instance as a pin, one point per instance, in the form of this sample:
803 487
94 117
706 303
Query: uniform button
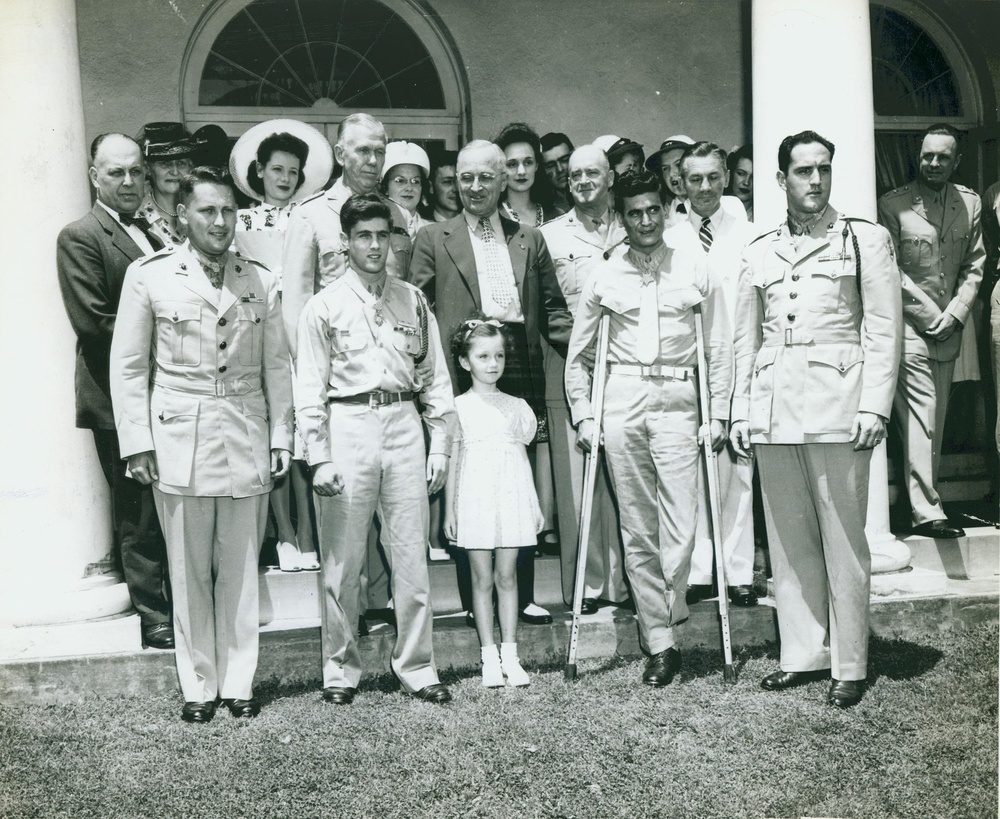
941 292
222 321
223 368
223 346
793 295
795 277
791 317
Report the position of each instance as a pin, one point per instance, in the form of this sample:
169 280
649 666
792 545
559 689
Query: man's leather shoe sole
339 696
198 711
845 693
535 619
242 708
780 680
587 606
159 636
661 668
742 596
939 529
437 693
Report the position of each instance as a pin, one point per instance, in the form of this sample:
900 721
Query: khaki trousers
650 434
736 514
213 544
381 455
815 506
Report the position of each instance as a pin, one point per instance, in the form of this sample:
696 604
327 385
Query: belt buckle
788 337
220 389
650 370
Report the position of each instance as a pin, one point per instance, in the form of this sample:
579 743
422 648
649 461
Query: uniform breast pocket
916 251
830 285
174 427
767 275
406 340
832 388
348 356
679 299
249 333
572 270
178 333
762 390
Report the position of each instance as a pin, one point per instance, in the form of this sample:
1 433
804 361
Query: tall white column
54 519
812 69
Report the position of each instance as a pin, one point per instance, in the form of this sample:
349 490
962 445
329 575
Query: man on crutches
650 418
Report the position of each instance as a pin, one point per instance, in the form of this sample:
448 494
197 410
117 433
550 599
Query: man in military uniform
201 387
368 348
818 327
937 231
650 418
578 242
314 254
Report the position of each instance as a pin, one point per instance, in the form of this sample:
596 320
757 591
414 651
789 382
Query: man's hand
739 434
943 327
142 467
718 435
437 472
585 434
327 481
281 459
868 430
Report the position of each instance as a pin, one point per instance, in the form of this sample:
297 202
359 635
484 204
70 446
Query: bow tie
133 219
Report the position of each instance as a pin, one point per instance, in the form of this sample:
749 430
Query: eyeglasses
402 180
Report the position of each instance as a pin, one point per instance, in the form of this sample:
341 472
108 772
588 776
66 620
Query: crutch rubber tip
569 672
729 675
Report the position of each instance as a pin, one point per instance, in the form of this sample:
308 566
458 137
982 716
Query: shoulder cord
422 320
848 228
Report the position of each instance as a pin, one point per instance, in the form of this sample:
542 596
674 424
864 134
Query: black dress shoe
587 606
198 711
338 695
780 680
437 693
742 596
661 668
160 635
697 592
242 708
845 693
362 627
470 619
535 619
938 529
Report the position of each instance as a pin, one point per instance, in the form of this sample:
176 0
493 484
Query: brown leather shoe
661 668
780 680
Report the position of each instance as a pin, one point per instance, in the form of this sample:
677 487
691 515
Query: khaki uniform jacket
941 269
314 254
811 350
201 377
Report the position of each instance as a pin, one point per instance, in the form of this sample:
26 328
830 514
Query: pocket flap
249 312
177 311
839 356
346 340
620 303
768 275
682 298
765 358
167 407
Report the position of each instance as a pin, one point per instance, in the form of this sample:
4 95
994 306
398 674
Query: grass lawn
922 743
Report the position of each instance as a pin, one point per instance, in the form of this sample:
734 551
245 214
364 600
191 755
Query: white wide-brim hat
318 165
606 141
405 153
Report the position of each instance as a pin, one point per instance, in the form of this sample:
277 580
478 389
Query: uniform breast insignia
407 329
252 298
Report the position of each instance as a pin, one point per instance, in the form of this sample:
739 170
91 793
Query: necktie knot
705 233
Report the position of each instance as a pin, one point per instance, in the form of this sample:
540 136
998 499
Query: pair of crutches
592 467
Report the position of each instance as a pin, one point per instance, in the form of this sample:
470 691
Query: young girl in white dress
491 508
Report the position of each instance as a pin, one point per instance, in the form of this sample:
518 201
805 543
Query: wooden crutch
591 468
714 495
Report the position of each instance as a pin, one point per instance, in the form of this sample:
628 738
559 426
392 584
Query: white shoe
492 670
436 554
309 562
516 676
288 557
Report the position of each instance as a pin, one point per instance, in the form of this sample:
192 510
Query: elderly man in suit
314 254
92 255
482 262
818 334
578 242
201 385
937 231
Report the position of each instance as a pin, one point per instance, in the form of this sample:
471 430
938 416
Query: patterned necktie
705 234
647 347
500 285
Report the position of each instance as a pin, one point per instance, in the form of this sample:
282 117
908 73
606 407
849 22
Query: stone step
975 556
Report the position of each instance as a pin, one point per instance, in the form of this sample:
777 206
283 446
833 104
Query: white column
54 518
812 69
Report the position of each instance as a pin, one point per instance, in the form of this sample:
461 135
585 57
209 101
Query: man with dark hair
92 255
719 237
740 167
650 423
443 192
937 230
556 148
666 163
369 348
817 346
202 394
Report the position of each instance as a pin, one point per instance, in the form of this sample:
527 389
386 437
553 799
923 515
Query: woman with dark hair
404 181
528 197
281 162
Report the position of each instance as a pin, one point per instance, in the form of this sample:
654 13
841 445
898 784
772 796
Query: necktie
647 347
682 208
705 234
499 281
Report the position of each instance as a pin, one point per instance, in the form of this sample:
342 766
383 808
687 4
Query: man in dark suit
482 262
92 255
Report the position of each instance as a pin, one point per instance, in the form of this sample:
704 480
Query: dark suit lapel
119 238
459 247
517 247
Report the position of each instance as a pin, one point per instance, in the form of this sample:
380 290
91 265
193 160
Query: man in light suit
482 262
719 236
92 255
314 254
937 230
201 385
578 241
818 335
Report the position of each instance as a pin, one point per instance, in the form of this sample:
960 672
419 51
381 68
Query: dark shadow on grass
899 659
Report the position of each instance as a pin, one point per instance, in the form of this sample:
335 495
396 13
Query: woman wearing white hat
404 180
280 162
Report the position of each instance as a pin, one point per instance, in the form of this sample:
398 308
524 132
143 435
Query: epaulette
248 260
562 217
159 254
316 195
963 189
902 189
857 219
752 241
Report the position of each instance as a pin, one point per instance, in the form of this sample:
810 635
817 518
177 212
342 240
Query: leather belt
375 398
653 371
